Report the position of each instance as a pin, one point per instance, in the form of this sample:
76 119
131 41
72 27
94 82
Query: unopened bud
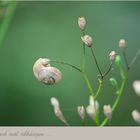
113 82
112 55
54 102
81 112
59 115
91 102
136 116
136 86
87 40
91 111
91 108
81 23
118 60
122 44
107 111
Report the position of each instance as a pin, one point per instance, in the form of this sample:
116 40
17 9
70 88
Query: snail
45 73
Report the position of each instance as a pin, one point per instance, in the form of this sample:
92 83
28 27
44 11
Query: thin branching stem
99 89
96 62
125 59
84 55
68 64
135 58
109 69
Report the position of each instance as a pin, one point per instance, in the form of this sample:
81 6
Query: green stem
65 63
96 63
117 99
125 59
99 89
92 94
84 55
96 114
134 58
7 19
109 69
88 84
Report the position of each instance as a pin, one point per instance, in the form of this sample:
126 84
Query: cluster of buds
49 75
87 39
57 111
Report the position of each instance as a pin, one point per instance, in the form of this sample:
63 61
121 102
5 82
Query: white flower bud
81 112
91 108
91 102
57 111
122 44
112 55
91 111
136 86
136 116
59 115
54 102
87 40
81 23
107 111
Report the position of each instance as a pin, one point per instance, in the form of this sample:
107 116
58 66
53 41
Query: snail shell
45 73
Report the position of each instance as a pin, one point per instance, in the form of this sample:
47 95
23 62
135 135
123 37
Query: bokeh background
49 29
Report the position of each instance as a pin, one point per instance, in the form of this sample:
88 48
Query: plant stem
84 55
117 99
135 58
109 69
99 89
125 59
88 84
96 63
6 21
92 94
65 63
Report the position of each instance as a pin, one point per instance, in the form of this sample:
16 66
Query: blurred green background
49 29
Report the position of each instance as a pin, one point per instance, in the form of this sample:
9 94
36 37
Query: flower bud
91 111
107 111
81 112
59 115
91 108
91 103
81 23
136 86
87 40
54 102
118 60
113 82
57 111
112 55
136 116
122 44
